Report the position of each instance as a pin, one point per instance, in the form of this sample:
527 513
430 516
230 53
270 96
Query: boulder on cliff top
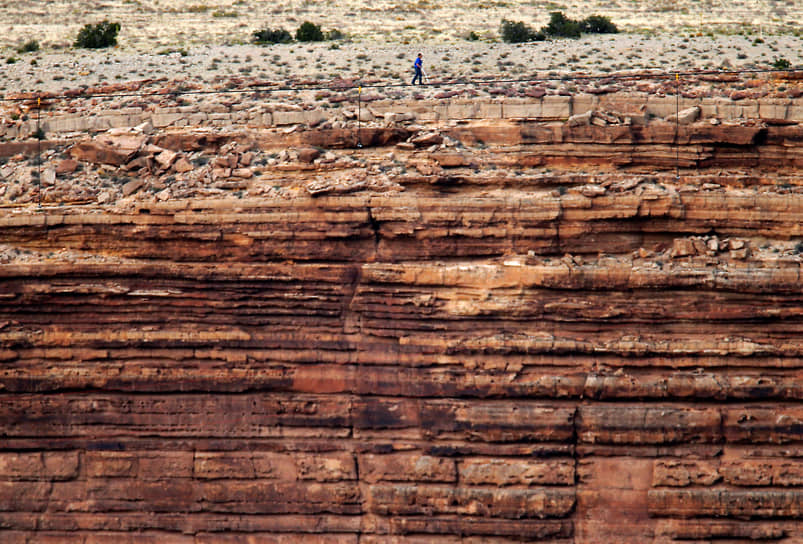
427 139
308 154
111 149
685 117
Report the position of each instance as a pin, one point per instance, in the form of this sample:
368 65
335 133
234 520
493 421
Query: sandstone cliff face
510 331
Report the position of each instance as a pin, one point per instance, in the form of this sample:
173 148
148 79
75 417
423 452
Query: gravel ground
204 41
148 25
49 70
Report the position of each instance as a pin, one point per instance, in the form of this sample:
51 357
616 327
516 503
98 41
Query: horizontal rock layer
264 112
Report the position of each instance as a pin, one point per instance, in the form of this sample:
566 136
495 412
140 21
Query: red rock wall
619 361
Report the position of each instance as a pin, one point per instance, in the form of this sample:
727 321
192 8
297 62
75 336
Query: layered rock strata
509 330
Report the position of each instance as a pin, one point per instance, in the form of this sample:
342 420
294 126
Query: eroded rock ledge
475 331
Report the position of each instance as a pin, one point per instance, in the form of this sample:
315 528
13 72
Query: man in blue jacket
419 70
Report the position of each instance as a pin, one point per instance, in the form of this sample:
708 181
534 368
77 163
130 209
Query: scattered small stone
682 247
132 187
581 119
66 166
344 185
308 154
48 177
244 173
221 173
182 165
426 139
166 158
592 190
685 117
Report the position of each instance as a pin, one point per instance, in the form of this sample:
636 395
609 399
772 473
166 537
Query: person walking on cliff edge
418 66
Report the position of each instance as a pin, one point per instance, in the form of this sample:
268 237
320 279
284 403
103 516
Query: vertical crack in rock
575 441
375 228
558 220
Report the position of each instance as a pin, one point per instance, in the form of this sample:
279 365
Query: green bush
97 36
597 24
518 32
28 47
561 26
309 32
268 35
781 64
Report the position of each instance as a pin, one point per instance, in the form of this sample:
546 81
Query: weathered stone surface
503 503
722 502
407 467
500 472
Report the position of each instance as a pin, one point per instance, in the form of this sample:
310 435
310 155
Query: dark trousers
419 75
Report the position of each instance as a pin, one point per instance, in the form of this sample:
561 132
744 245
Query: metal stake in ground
677 126
39 148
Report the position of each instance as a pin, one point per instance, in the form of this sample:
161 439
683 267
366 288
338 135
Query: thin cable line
677 126
39 147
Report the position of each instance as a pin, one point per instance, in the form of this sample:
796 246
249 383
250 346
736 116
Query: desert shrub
473 36
781 64
103 34
334 34
309 32
561 26
597 24
518 32
268 35
28 47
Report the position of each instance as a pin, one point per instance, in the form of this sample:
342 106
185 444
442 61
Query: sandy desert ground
149 24
201 41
